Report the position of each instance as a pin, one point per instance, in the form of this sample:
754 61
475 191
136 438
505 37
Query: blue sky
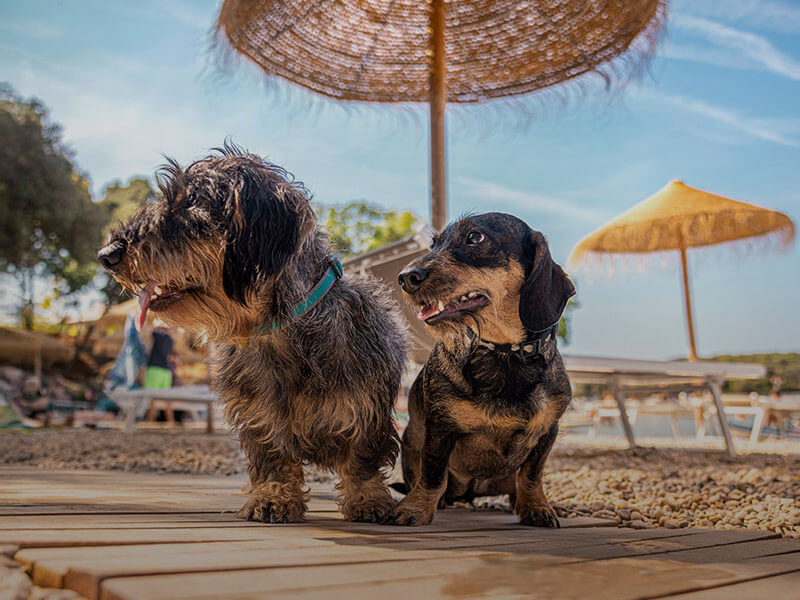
719 109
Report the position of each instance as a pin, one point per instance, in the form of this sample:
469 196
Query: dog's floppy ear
269 218
546 289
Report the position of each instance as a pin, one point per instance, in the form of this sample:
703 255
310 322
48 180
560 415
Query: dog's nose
410 279
111 256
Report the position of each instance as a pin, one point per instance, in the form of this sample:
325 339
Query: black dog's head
221 229
491 272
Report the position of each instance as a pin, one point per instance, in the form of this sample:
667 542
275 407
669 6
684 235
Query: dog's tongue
144 304
426 311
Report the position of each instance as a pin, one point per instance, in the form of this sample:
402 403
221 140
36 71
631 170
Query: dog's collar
323 286
532 345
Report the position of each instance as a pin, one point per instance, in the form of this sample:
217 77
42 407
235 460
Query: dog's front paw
538 516
368 510
411 511
271 511
273 503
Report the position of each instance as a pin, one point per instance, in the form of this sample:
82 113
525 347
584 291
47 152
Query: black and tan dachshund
484 410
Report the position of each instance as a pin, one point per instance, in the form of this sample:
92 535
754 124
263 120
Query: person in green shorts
158 374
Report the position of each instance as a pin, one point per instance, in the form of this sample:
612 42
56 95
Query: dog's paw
368 513
368 510
539 516
267 510
411 513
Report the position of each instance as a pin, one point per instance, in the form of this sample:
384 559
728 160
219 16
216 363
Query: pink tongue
144 304
426 311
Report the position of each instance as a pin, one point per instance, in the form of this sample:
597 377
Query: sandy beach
639 488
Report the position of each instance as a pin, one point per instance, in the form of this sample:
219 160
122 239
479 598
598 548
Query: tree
49 226
359 226
121 201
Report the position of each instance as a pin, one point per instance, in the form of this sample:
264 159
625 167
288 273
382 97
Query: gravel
639 488
677 488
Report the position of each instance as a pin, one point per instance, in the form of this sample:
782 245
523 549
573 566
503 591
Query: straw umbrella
439 51
679 217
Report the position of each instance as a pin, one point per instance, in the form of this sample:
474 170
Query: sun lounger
628 376
136 402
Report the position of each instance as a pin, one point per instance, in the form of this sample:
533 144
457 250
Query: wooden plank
540 539
266 582
62 523
719 542
85 576
492 575
40 538
742 553
456 520
779 586
49 566
49 491
624 579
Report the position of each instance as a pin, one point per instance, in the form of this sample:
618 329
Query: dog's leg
363 493
276 485
531 503
419 507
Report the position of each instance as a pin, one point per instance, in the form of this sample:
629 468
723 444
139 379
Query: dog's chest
272 399
498 433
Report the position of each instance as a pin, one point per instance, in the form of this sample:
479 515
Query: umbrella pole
688 299
438 99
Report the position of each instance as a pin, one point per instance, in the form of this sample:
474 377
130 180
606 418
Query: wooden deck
115 536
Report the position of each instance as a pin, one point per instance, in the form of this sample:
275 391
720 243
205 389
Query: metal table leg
716 392
623 415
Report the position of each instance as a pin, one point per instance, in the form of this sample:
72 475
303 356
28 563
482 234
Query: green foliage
786 366
359 226
563 324
121 201
49 226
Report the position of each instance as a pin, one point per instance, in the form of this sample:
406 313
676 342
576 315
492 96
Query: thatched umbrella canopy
439 51
679 217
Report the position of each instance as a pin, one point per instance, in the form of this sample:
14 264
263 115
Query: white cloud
775 15
749 45
488 191
783 131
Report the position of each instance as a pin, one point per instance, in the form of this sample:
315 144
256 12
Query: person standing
158 374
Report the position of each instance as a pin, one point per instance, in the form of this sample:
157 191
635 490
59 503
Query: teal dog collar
331 276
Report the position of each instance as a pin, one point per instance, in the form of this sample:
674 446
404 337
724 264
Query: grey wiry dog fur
233 245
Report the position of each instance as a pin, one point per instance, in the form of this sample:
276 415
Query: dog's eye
474 237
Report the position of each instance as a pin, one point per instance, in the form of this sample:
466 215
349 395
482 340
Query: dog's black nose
110 256
411 279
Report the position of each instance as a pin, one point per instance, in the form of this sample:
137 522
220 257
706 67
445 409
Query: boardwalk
115 536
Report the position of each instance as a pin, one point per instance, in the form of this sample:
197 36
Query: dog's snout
410 279
111 256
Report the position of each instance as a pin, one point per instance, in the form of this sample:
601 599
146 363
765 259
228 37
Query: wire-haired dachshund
308 360
484 410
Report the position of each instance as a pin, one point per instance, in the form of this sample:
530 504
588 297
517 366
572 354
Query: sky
718 108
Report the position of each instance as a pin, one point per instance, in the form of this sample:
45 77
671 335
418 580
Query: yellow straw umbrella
679 217
439 51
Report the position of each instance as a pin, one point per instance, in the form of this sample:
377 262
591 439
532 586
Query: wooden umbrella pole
438 100
688 298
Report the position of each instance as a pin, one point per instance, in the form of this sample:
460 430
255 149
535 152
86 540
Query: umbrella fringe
597 264
477 113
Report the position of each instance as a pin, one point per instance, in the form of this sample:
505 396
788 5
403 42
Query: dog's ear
269 219
546 288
